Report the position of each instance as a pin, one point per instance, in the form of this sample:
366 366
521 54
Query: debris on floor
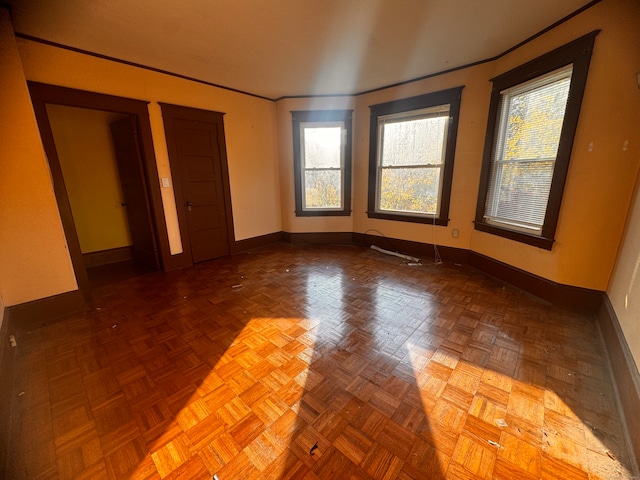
313 448
396 254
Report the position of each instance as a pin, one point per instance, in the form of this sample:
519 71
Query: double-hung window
532 120
412 147
322 162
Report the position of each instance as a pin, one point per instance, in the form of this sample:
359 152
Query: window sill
442 222
533 240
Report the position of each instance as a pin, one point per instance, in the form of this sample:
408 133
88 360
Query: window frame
300 117
451 97
576 53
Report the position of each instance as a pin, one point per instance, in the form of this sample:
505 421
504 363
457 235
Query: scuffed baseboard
46 309
624 370
16 318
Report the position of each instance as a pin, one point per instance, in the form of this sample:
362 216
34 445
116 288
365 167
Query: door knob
189 205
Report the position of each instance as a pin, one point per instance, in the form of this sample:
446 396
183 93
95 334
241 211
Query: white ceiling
276 48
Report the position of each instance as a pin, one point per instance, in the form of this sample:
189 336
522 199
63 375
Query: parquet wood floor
238 367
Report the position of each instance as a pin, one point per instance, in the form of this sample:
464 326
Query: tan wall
34 261
600 182
88 161
250 128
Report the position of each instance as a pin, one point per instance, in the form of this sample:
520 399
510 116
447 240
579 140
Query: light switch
165 182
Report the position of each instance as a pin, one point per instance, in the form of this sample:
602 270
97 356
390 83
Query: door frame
170 112
43 94
135 192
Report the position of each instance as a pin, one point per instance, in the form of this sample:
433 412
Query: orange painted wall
88 162
34 261
600 183
249 122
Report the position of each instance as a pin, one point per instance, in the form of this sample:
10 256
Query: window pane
410 190
525 151
323 188
322 162
522 192
535 122
322 147
411 157
413 142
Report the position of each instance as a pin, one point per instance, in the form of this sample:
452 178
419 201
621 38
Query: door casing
124 134
43 94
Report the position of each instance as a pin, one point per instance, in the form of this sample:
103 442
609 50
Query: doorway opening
99 159
100 154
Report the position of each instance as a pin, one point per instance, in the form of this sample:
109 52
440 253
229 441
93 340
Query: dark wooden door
197 153
134 188
201 179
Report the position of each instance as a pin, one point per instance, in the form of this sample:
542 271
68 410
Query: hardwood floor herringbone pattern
238 367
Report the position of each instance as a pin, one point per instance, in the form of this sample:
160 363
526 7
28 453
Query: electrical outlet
455 233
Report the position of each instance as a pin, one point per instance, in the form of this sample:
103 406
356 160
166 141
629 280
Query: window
532 121
411 152
322 162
